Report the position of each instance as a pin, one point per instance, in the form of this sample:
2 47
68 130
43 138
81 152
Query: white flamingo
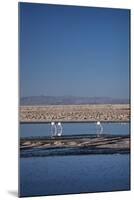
53 129
59 129
101 128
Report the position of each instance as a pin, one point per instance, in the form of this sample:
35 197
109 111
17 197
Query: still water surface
74 174
27 130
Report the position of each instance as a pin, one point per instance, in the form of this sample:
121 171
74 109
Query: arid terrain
76 113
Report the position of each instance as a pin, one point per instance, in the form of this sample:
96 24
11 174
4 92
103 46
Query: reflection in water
59 129
99 128
53 129
44 129
56 130
73 174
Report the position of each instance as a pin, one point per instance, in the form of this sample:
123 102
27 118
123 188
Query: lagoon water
28 130
74 174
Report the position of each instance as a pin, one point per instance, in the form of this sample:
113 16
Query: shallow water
27 130
73 174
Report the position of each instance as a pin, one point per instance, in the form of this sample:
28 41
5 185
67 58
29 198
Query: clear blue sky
79 51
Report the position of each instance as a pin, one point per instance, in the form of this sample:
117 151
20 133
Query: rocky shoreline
74 145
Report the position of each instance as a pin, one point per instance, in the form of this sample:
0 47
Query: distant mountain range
66 100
